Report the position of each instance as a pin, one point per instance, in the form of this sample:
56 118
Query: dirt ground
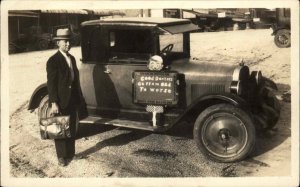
118 152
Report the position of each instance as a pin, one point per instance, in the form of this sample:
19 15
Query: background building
34 29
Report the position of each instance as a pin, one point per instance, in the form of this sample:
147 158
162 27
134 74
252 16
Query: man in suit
64 92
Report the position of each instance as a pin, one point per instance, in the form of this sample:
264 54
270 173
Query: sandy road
118 152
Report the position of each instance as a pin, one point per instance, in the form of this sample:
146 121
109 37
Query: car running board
124 123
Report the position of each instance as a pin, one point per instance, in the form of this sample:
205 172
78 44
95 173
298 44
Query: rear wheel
44 111
283 38
224 133
42 44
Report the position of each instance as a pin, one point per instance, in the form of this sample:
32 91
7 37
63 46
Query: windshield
175 40
174 46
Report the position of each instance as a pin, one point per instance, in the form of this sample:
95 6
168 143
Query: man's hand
54 109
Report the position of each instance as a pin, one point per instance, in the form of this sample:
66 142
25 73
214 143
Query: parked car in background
33 39
137 73
282 28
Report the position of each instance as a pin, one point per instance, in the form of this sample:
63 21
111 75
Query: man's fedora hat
62 34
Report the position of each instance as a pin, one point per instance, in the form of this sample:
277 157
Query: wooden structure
27 26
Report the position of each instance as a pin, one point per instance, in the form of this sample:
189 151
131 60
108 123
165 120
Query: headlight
235 87
240 73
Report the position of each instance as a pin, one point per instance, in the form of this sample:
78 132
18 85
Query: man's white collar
63 53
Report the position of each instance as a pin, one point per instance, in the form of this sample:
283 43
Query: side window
94 46
130 43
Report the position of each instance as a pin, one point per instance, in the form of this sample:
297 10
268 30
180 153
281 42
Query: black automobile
33 39
282 28
137 73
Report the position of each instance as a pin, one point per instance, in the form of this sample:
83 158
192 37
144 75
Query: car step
123 123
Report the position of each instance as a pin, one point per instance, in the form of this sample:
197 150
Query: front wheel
283 38
224 133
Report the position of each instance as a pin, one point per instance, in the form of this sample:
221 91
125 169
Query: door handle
107 70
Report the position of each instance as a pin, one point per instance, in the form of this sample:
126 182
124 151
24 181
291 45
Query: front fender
37 96
276 29
201 103
217 98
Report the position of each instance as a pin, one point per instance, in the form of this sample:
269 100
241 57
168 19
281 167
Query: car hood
208 71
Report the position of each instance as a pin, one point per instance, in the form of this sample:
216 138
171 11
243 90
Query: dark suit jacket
59 81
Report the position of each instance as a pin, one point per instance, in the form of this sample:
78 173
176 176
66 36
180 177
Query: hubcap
283 39
224 135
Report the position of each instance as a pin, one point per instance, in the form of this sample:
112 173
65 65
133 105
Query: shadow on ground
268 140
119 140
86 130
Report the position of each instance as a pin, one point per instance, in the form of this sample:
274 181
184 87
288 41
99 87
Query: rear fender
276 29
38 94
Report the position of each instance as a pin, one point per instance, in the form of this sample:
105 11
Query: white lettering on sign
160 90
165 84
156 90
143 89
155 84
140 84
156 78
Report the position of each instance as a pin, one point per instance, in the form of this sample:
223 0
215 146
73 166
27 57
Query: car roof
170 25
138 21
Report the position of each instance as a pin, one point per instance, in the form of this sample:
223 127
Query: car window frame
155 32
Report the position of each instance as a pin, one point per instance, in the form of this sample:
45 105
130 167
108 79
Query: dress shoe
62 162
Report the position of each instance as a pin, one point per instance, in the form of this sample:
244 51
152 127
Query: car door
107 82
121 76
97 87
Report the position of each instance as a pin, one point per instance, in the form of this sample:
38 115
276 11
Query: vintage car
32 39
138 73
282 28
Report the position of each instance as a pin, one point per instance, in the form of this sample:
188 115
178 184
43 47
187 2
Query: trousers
65 148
